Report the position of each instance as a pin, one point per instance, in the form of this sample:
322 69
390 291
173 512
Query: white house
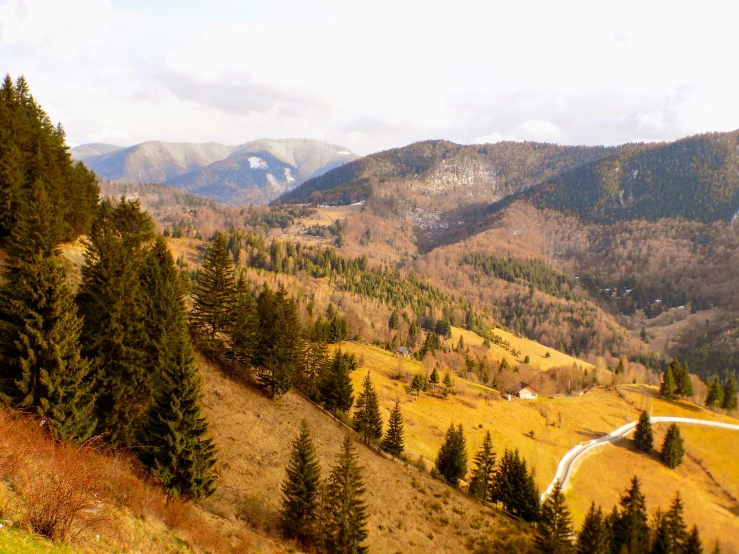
525 391
403 351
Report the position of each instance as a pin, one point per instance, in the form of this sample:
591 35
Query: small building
403 351
525 391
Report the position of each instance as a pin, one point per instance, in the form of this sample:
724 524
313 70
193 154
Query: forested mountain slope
695 178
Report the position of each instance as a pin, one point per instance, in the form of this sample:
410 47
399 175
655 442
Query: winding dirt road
569 461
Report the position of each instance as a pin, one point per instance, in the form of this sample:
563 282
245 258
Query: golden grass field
536 351
561 423
409 510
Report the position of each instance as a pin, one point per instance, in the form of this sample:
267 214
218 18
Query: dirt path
569 461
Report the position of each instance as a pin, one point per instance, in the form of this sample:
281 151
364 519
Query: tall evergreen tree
631 530
434 377
344 512
114 336
667 388
451 461
301 489
684 387
661 543
694 544
643 437
213 296
367 418
677 531
336 386
177 447
481 483
280 344
672 447
554 528
715 398
315 362
593 538
394 442
244 330
418 384
730 400
40 328
514 487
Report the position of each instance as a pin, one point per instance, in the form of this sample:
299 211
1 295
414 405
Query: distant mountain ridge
253 173
485 172
84 151
696 178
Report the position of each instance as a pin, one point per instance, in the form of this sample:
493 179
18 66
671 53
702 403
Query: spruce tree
667 388
336 386
684 387
631 530
481 483
280 344
244 330
40 328
677 531
393 443
344 512
367 418
213 296
451 461
672 448
418 384
715 397
177 447
643 437
661 543
554 528
593 538
315 361
620 369
434 378
114 337
301 489
730 400
694 544
447 380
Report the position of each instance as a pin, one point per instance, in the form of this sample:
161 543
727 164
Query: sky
376 75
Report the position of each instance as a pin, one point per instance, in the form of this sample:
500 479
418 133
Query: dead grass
254 435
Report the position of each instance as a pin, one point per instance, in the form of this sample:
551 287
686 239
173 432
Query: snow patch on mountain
257 163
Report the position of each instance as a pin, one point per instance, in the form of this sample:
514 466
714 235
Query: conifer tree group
330 515
514 487
676 381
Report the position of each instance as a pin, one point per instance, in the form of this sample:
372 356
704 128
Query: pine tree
593 538
244 330
434 378
643 438
418 384
620 369
178 450
336 386
730 400
111 301
393 443
280 344
301 489
447 380
367 418
631 529
715 397
213 296
40 328
451 461
481 483
677 531
682 381
661 543
672 448
694 544
344 512
667 389
394 321
554 527
315 362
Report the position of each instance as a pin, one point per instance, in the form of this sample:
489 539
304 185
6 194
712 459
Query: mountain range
253 173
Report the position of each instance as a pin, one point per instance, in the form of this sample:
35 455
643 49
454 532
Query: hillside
84 151
545 429
253 173
409 511
470 174
695 178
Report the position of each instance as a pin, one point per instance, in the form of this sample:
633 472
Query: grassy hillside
408 510
709 479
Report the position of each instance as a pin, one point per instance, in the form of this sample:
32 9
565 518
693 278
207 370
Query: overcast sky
375 75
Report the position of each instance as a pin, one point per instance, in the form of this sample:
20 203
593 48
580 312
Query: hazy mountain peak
84 151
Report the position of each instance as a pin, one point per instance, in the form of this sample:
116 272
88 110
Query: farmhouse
403 351
525 391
